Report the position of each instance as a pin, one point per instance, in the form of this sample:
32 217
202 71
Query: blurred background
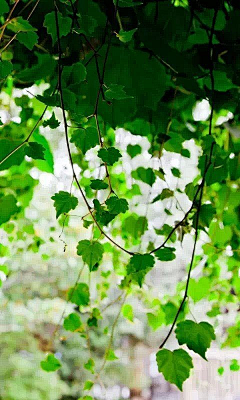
43 265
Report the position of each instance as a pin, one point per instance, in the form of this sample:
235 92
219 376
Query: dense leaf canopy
128 85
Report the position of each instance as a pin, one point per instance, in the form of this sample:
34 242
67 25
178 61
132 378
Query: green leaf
79 294
5 68
138 127
90 365
64 25
156 320
135 226
51 363
85 139
91 252
176 172
4 269
72 322
126 36
28 39
4 8
145 175
165 254
35 151
116 205
127 312
44 67
52 122
234 366
116 92
133 151
111 356
88 385
220 370
199 289
64 202
98 184
19 24
197 337
138 267
174 365
73 75
109 155
8 207
166 193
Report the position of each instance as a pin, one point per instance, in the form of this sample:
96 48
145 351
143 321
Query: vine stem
201 187
67 139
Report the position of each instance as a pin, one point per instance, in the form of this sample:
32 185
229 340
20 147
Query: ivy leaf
72 322
91 252
35 151
8 207
165 254
88 385
139 265
111 356
126 36
98 184
65 24
52 122
109 155
116 205
127 312
64 202
5 68
90 365
28 39
145 175
50 364
116 92
174 365
20 24
199 289
134 150
79 294
85 139
197 337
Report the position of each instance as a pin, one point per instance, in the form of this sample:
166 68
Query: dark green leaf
8 207
116 205
197 337
64 25
98 184
19 24
174 365
85 139
133 151
166 254
52 122
138 267
116 92
79 294
28 39
126 36
109 155
64 202
144 174
5 68
35 151
91 252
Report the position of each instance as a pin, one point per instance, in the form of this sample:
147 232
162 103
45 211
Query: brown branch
67 139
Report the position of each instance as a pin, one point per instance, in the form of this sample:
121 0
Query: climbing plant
91 69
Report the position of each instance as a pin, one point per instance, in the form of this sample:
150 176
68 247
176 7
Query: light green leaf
72 322
51 363
111 356
156 320
90 365
199 289
20 25
88 385
197 337
79 294
127 312
126 36
91 252
174 365
64 202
